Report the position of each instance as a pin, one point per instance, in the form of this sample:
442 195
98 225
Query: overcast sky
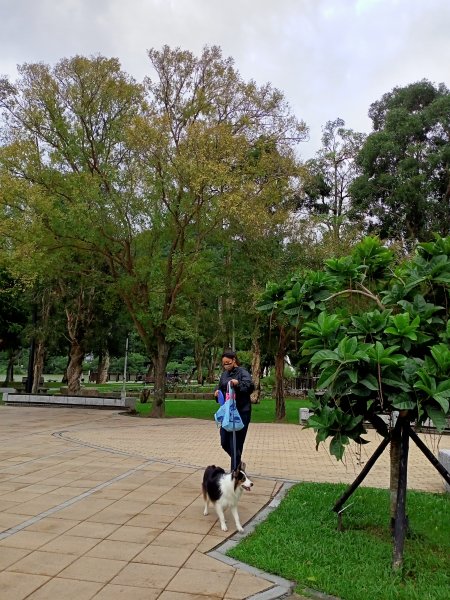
331 58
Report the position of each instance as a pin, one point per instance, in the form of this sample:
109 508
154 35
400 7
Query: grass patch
300 541
205 409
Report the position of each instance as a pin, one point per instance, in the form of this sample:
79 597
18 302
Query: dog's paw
205 512
240 529
224 527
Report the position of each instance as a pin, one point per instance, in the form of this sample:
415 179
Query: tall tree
404 190
328 177
201 147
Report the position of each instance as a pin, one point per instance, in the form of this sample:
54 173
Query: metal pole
338 506
433 460
124 391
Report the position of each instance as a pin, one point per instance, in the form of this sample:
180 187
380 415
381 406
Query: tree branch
349 291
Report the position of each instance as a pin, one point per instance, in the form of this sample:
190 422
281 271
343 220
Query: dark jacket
243 390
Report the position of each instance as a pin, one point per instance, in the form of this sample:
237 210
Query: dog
223 490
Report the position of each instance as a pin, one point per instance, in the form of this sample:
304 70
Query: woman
243 386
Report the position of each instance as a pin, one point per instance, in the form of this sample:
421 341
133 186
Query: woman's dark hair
231 355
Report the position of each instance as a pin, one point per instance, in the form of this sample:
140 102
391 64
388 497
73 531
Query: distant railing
299 386
171 378
118 377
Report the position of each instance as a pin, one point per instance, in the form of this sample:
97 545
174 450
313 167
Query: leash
234 429
234 443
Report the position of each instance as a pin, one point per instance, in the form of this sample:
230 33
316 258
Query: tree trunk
79 315
199 364
212 364
199 372
38 365
256 370
74 368
160 363
103 367
64 377
280 406
40 338
12 357
394 472
395 458
401 520
197 360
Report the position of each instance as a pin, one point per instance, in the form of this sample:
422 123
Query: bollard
303 415
444 459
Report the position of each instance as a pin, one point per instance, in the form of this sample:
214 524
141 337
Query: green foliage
384 360
372 257
404 185
13 310
56 364
293 301
184 366
323 333
245 359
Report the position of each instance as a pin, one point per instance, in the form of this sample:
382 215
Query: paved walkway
98 505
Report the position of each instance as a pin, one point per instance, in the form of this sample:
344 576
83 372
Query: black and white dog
224 490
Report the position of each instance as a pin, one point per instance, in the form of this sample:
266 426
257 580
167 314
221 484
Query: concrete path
99 505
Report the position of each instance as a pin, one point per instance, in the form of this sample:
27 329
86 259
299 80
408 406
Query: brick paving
99 505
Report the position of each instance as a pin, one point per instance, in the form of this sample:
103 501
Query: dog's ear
237 470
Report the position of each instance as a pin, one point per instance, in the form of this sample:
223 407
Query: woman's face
228 363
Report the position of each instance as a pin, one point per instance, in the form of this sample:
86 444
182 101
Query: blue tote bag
227 416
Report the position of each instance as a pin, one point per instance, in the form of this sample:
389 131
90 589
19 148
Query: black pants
226 440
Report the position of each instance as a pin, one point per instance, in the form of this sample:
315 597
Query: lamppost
30 371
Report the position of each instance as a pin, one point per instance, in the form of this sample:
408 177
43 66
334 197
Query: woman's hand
234 382
216 393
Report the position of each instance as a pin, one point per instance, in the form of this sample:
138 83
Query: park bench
25 380
112 376
67 401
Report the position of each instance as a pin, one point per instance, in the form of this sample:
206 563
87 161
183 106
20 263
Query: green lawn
205 409
300 541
